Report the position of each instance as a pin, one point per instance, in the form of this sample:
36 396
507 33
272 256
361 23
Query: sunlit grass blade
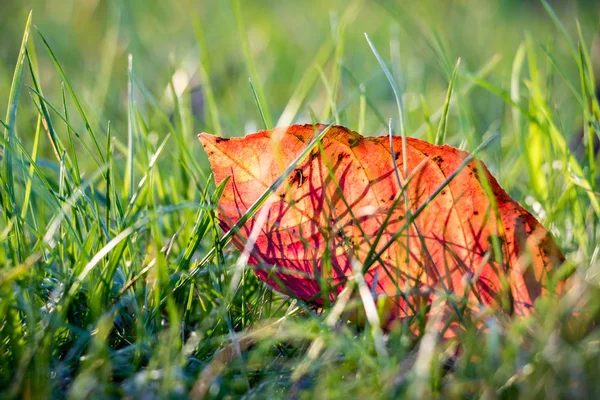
440 137
128 182
29 183
9 197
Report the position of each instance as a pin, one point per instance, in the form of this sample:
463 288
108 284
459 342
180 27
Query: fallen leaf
343 203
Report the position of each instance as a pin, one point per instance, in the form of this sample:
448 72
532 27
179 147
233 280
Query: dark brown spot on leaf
354 141
300 137
297 177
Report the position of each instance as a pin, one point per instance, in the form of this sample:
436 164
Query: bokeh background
420 41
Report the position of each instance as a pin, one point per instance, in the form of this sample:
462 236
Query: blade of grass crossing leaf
250 64
440 137
403 185
425 203
496 241
364 237
399 105
262 199
398 98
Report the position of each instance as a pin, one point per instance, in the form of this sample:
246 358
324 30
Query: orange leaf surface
331 210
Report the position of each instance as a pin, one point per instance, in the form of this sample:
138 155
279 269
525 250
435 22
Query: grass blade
129 170
10 138
257 101
82 113
440 137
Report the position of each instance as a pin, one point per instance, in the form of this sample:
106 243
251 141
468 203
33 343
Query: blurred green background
420 41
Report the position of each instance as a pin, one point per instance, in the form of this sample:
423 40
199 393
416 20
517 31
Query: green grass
115 278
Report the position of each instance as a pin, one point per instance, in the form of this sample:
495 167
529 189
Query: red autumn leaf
332 207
